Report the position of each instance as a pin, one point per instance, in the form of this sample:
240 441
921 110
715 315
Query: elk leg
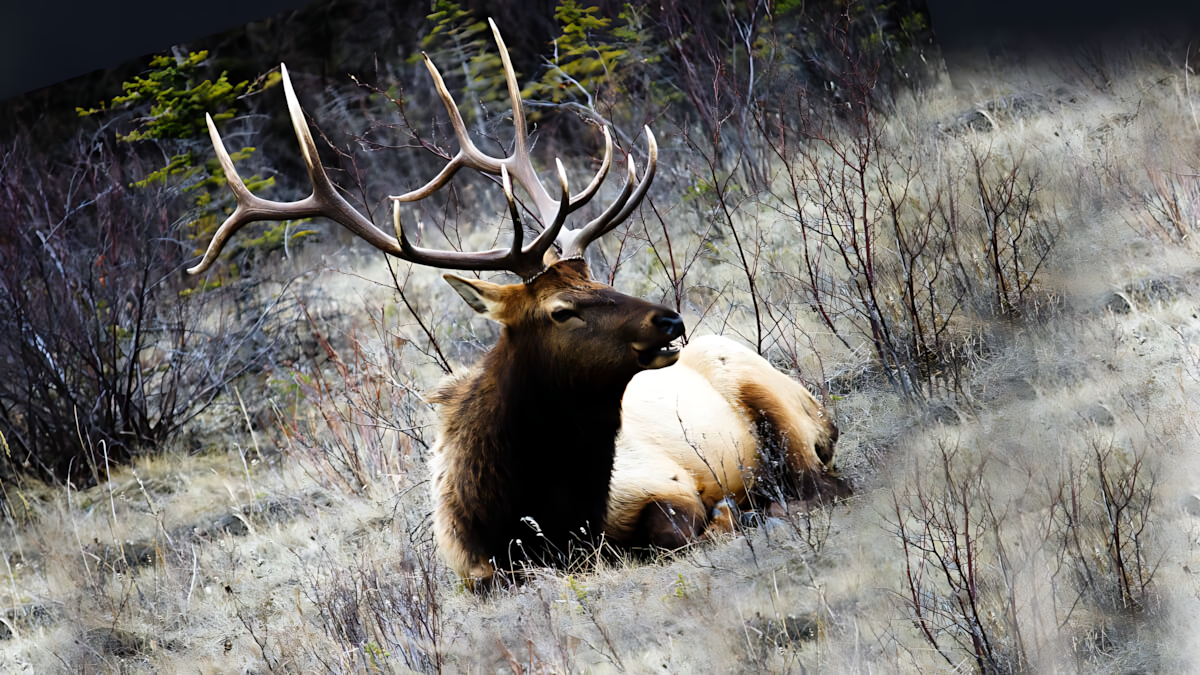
669 525
480 577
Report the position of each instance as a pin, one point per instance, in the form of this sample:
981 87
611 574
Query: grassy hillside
1022 443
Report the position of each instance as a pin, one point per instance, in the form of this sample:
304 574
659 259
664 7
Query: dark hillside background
47 42
56 56
1041 30
1053 24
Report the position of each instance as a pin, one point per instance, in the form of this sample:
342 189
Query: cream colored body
689 436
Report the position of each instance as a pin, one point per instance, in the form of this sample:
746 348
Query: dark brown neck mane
541 441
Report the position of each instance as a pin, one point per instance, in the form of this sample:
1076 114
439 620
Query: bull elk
526 440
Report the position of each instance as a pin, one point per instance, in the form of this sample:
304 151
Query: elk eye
563 314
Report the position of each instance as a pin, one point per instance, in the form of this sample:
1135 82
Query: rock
1098 415
1191 505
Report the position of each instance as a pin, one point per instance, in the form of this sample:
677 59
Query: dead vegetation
999 314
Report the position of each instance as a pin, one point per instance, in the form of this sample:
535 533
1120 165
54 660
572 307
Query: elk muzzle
657 351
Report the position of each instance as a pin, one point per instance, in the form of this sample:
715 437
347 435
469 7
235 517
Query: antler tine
468 155
643 184
577 243
519 162
622 207
514 210
237 219
324 200
521 139
525 262
520 165
495 260
551 234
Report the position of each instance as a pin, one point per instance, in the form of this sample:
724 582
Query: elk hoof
751 518
724 517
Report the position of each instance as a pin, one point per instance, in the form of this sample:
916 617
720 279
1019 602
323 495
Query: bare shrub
1153 175
1102 511
993 572
895 243
100 341
375 611
1170 206
957 582
1016 237
838 219
355 421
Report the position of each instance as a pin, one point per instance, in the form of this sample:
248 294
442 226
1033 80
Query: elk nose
670 324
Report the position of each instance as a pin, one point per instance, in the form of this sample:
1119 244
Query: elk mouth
651 356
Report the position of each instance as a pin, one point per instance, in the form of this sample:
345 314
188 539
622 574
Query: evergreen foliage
457 36
583 62
169 106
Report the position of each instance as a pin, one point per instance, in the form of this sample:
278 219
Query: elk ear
550 257
483 296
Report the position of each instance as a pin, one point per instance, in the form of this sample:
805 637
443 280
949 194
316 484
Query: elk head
575 323
587 328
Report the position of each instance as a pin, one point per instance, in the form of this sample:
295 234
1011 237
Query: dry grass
305 546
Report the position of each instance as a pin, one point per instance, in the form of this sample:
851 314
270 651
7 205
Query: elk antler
573 241
524 261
